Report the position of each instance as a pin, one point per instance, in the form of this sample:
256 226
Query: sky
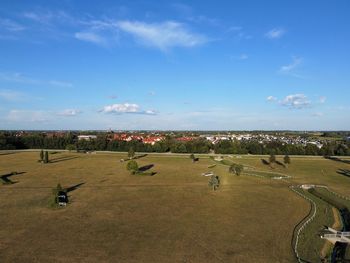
182 65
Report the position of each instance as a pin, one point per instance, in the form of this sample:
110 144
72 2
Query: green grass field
172 216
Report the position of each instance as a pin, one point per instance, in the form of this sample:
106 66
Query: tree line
8 141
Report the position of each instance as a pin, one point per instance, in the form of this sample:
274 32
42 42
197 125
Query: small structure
87 137
307 186
62 198
208 174
336 236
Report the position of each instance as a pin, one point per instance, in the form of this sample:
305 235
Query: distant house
87 137
185 139
152 140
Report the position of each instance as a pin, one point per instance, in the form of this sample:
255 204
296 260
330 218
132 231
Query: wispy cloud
290 69
10 25
238 33
243 57
322 99
271 98
126 108
27 116
275 33
91 37
318 114
113 97
163 35
22 78
69 112
60 84
48 17
11 95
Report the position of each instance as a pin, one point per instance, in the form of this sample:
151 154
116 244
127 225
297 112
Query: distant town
230 142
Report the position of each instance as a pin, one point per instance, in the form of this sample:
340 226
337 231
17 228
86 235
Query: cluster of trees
44 156
9 141
236 147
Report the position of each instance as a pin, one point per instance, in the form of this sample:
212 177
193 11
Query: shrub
132 166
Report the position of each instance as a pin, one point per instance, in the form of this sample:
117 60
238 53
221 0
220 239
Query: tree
192 157
272 158
71 147
41 155
132 166
214 182
46 157
236 169
286 160
131 153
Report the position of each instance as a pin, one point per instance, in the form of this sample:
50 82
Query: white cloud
126 108
275 33
296 101
69 112
163 35
271 98
91 37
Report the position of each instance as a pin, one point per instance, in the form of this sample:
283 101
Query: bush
132 166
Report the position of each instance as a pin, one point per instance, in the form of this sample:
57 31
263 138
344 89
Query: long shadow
5 178
140 156
265 162
7 153
336 159
281 164
62 159
344 172
146 167
72 188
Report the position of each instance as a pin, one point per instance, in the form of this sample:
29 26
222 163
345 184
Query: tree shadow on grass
140 156
146 167
6 180
147 173
337 159
344 172
281 164
265 162
7 153
62 159
73 187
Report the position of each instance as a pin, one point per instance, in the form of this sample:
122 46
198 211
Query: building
87 137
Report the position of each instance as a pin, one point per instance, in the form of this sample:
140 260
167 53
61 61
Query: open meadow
172 216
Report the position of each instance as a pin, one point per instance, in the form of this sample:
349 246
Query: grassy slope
170 217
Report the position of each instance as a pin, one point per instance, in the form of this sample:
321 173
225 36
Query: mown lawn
172 216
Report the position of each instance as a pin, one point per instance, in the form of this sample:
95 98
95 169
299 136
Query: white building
87 137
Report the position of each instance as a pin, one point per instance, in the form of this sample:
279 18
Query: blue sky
198 65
